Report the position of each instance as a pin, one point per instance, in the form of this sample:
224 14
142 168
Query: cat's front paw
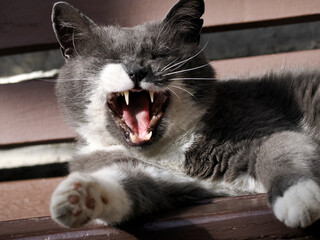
77 200
300 204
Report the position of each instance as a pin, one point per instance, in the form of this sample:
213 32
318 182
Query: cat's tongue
136 116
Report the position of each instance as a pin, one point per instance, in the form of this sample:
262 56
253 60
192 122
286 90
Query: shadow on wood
244 217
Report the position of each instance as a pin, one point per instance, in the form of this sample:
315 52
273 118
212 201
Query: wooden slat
26 199
224 15
46 229
257 65
25 24
31 113
243 217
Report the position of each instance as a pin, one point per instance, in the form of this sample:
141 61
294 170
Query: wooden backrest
25 24
29 113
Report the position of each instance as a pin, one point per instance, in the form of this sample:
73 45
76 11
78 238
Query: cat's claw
76 201
300 204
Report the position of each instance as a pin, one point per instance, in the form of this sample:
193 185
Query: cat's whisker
47 80
186 70
165 68
181 63
182 79
66 80
185 90
76 79
174 93
177 67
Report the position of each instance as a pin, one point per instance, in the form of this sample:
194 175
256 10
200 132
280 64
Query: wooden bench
29 115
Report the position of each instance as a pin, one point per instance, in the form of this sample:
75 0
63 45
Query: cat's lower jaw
80 199
300 204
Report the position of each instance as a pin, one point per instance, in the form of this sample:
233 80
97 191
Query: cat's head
140 85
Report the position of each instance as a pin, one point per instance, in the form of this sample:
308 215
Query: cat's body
157 130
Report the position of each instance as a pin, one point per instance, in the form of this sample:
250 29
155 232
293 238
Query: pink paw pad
90 202
73 199
104 200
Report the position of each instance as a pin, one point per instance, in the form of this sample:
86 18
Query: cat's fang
133 138
136 139
148 136
126 97
151 96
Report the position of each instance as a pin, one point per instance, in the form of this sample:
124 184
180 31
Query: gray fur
265 127
100 159
152 194
147 193
255 127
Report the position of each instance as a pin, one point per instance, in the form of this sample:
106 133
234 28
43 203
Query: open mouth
138 113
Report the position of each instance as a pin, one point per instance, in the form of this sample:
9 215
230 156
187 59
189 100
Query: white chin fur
300 204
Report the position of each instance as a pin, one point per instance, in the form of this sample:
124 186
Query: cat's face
137 85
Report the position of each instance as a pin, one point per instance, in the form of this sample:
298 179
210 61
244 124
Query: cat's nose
137 76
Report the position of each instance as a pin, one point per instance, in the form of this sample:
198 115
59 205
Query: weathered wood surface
245 217
29 114
257 65
26 24
26 199
45 229
29 111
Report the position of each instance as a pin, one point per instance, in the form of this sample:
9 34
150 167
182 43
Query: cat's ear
185 19
71 28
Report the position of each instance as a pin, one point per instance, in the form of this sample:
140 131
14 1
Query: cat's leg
121 191
288 165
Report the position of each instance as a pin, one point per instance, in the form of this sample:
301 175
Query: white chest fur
169 153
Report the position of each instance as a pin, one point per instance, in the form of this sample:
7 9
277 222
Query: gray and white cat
157 130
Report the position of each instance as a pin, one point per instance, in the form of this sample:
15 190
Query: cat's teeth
133 138
148 136
151 97
126 97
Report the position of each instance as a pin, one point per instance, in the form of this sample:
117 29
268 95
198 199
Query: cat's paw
300 204
77 200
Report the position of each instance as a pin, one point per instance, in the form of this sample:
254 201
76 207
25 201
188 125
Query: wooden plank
257 65
32 115
29 113
26 199
243 217
224 15
26 23
44 229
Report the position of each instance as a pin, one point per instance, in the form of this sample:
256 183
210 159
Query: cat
158 130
